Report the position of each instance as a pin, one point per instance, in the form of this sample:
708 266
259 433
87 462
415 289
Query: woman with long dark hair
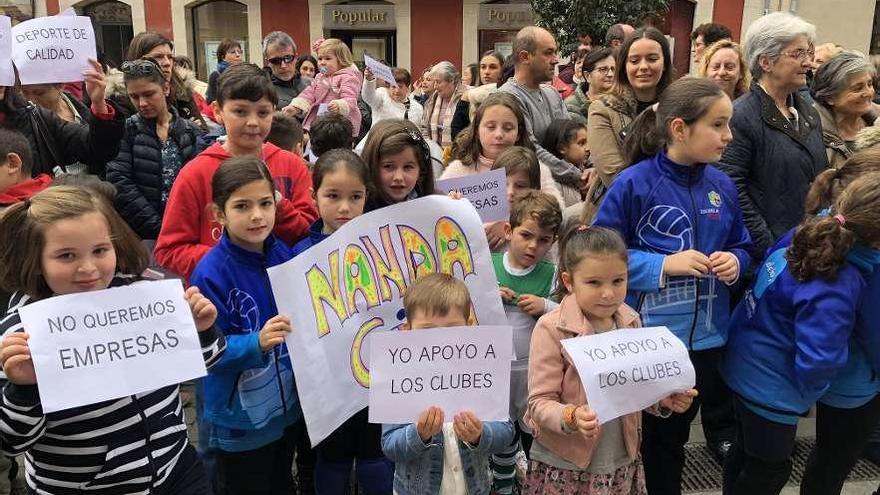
183 97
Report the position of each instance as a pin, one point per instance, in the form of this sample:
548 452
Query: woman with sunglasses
156 145
57 143
279 52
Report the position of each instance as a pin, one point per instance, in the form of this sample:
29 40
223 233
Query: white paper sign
630 369
323 108
380 70
486 191
95 346
350 286
456 369
7 73
53 49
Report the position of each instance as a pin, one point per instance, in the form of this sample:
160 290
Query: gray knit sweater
541 107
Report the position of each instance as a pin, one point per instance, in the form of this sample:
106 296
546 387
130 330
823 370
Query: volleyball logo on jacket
241 304
666 229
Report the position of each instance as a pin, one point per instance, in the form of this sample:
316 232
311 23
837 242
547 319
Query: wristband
568 417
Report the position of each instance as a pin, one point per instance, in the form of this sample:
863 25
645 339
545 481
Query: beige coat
608 117
837 149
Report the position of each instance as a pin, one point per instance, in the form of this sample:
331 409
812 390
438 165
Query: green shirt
537 282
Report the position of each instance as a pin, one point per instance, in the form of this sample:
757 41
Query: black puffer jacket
137 171
772 164
56 142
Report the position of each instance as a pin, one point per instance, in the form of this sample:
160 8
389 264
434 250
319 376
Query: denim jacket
418 468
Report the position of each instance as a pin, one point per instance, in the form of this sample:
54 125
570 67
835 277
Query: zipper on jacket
696 248
275 352
150 460
234 389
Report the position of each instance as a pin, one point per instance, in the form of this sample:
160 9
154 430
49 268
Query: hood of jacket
115 84
623 101
351 70
830 132
868 137
186 77
25 189
217 152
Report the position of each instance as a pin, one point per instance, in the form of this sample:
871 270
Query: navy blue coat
772 164
137 170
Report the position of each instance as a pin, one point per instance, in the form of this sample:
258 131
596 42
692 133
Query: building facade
411 33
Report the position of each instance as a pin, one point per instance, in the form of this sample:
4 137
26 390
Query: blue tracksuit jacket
662 208
250 395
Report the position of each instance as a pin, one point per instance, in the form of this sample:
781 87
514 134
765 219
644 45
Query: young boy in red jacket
16 183
245 104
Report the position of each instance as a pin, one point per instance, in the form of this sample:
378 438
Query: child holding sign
251 410
400 163
790 339
570 449
433 455
688 245
498 124
339 185
135 444
525 281
339 188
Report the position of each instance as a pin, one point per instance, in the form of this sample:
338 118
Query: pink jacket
554 383
343 87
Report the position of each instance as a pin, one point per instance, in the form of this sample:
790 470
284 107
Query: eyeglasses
141 67
286 59
604 70
801 55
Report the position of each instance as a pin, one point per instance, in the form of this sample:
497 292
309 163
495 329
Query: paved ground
807 428
854 488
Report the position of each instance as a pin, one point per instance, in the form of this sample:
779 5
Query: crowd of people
738 206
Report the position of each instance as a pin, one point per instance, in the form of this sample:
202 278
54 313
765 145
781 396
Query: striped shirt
124 446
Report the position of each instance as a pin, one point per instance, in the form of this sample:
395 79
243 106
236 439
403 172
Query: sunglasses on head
286 59
141 67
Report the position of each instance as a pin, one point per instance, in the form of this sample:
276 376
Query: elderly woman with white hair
777 147
440 107
843 91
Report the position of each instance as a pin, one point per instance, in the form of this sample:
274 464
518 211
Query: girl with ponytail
849 411
687 243
790 345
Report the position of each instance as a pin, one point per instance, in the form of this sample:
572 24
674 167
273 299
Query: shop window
113 29
212 22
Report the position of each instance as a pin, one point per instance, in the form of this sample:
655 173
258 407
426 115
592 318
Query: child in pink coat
335 89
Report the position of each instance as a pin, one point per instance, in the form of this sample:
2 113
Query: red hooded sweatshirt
24 190
188 227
